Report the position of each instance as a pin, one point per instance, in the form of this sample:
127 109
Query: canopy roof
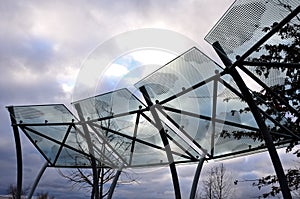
200 111
200 108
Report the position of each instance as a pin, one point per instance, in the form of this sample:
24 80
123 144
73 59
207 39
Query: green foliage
293 176
287 50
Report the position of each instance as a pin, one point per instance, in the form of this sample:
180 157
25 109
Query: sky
44 46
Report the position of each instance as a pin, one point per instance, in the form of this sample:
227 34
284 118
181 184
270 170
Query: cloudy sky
43 47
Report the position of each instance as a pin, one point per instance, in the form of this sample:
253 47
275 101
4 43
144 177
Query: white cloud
116 70
152 56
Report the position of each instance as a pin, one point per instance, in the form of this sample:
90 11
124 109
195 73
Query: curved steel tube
37 180
18 152
196 178
258 118
165 141
95 190
114 183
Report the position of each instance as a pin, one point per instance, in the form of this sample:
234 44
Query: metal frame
259 119
231 69
161 107
157 123
95 193
165 142
196 178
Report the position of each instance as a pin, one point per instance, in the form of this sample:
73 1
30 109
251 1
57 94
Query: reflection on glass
109 104
57 113
231 139
185 71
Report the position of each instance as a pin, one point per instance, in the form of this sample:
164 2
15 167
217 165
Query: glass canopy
200 110
194 109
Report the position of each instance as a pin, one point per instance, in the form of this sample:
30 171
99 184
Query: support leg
37 180
165 141
95 190
114 183
196 178
18 152
259 120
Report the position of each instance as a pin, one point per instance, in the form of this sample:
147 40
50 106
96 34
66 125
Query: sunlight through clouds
116 70
128 69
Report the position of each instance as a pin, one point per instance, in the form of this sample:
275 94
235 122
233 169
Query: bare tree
84 178
12 190
217 185
43 195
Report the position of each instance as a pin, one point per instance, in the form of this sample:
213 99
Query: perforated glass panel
109 104
243 23
182 73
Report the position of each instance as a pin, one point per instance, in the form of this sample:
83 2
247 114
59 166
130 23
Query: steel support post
18 152
165 141
196 178
259 120
95 191
37 180
114 183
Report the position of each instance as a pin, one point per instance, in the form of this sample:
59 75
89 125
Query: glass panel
198 101
48 147
69 157
196 128
93 144
57 113
119 145
108 104
271 77
179 145
124 125
113 158
278 132
76 140
276 112
242 24
230 107
185 71
148 132
229 139
144 155
55 132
